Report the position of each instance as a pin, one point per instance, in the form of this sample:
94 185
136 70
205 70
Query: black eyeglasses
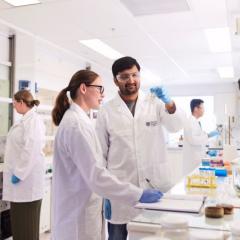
99 87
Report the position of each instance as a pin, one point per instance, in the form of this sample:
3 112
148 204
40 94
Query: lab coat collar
122 107
28 114
195 121
140 102
194 118
76 108
141 96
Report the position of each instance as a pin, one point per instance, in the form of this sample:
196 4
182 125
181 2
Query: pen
150 184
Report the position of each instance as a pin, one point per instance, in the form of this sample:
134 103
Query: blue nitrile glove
212 153
161 93
107 209
214 133
150 196
15 179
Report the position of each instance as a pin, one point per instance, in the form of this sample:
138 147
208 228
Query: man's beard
126 91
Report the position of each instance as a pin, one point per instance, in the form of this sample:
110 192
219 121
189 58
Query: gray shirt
131 105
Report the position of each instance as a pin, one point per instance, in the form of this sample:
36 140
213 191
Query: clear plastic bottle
174 227
180 141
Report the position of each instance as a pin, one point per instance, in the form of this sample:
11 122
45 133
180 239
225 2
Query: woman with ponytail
23 176
79 173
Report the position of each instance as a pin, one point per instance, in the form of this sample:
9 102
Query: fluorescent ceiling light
225 72
102 48
18 3
218 39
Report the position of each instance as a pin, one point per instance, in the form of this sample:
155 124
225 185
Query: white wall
55 66
4 54
52 67
25 68
225 97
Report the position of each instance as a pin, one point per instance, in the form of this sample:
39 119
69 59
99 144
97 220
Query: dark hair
124 63
195 103
26 97
62 102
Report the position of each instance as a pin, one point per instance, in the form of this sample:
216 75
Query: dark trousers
117 231
25 219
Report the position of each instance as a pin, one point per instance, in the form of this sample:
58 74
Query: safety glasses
99 87
126 76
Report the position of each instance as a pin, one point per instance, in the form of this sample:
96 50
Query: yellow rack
201 181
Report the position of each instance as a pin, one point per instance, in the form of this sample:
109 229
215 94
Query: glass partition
4 81
5 110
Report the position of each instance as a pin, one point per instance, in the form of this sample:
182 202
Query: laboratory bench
149 222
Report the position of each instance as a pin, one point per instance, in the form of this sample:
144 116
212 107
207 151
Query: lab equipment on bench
212 153
216 162
221 172
236 179
214 212
205 178
205 161
174 227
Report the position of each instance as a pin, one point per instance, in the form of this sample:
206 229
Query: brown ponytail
61 106
35 102
26 97
62 102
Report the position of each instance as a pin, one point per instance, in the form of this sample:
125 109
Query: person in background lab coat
195 139
79 177
23 176
130 129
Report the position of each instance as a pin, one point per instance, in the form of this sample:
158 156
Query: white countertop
196 221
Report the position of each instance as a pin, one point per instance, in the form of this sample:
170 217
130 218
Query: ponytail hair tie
68 95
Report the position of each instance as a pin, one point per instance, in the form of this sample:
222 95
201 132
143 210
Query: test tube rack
201 181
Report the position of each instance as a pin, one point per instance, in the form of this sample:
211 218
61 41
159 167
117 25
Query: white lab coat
77 173
25 159
134 147
194 144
